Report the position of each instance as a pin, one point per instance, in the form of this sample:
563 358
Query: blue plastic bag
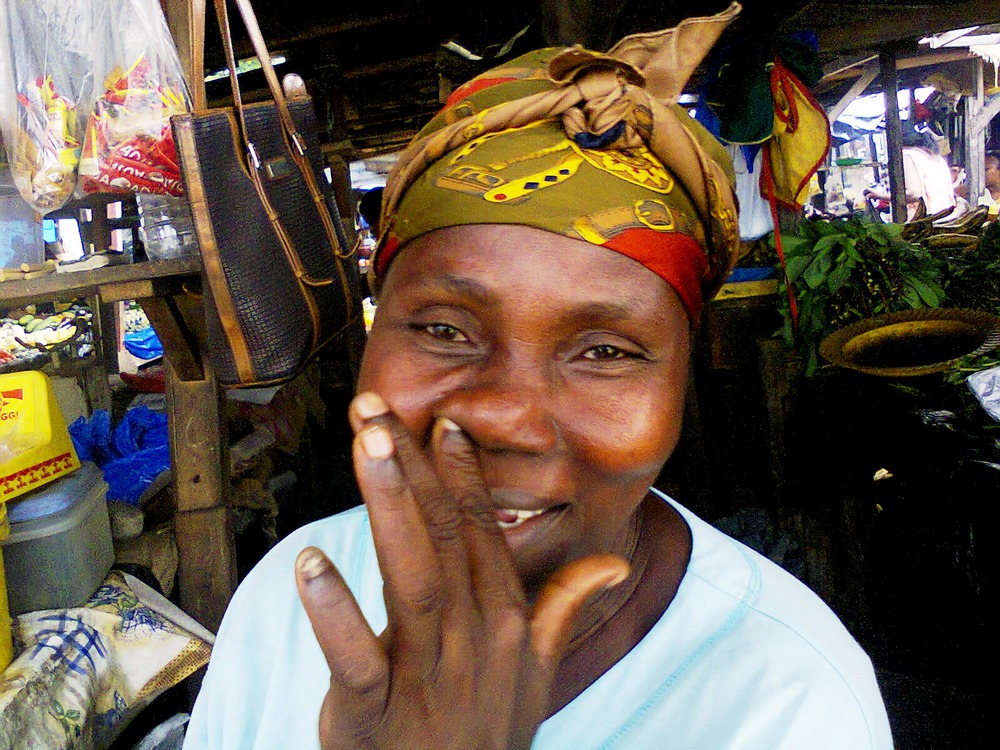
131 456
143 343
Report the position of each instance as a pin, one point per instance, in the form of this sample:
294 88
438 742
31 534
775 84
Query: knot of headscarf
617 103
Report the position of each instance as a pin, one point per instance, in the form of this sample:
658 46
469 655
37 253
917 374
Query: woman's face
564 362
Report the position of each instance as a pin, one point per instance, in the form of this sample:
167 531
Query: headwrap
587 145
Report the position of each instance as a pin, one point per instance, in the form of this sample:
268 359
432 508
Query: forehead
516 266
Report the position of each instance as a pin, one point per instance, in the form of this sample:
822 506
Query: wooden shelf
112 283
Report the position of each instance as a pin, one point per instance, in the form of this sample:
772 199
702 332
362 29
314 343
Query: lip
515 499
549 512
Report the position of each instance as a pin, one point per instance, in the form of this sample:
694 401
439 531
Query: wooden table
167 292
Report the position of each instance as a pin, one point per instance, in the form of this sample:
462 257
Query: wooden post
199 450
186 20
975 142
894 131
207 573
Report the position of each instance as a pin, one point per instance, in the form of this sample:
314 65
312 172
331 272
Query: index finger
358 665
495 581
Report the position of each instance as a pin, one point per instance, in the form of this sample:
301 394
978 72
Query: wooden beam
875 26
867 76
390 67
844 72
986 115
358 23
849 66
199 455
894 131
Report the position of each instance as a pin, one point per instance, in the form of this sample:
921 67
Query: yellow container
33 435
6 647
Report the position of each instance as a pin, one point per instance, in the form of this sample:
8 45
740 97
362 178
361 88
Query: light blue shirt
746 657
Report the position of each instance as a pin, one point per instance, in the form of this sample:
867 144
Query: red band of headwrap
674 257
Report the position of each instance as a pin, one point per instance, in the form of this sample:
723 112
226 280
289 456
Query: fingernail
444 427
311 563
369 405
376 442
617 579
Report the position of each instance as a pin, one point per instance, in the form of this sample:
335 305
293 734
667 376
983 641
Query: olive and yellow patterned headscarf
587 145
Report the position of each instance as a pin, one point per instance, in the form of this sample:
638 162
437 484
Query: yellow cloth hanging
800 142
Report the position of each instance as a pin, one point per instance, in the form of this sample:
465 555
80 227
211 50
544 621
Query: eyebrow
464 286
603 310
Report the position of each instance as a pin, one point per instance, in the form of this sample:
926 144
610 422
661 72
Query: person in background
991 182
369 207
959 181
513 579
926 174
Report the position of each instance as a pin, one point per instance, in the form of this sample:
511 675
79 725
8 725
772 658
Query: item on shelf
45 99
35 446
86 263
20 233
166 226
129 145
60 546
28 271
39 329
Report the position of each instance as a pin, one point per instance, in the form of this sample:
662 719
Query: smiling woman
512 580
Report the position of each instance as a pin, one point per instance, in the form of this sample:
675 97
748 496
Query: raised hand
465 661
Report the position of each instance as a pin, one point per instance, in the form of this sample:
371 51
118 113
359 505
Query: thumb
551 627
562 598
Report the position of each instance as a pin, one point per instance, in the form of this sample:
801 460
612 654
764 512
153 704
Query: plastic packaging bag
131 456
143 343
985 386
168 735
129 145
45 94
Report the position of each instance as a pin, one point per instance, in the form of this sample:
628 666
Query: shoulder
267 677
763 634
346 540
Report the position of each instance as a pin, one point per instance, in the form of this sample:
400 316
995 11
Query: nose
503 414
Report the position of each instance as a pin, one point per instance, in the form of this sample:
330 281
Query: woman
512 580
926 175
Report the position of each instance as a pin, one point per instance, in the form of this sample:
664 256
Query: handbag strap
298 152
260 49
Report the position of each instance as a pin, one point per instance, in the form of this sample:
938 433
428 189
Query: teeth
519 517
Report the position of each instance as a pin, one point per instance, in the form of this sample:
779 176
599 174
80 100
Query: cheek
637 445
399 379
630 435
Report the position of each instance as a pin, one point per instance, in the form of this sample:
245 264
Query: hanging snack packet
48 83
129 145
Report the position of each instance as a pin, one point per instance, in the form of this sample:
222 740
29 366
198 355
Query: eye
606 352
444 332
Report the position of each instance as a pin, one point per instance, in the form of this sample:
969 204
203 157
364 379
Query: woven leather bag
276 263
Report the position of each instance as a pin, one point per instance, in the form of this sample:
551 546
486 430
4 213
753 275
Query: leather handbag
277 267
